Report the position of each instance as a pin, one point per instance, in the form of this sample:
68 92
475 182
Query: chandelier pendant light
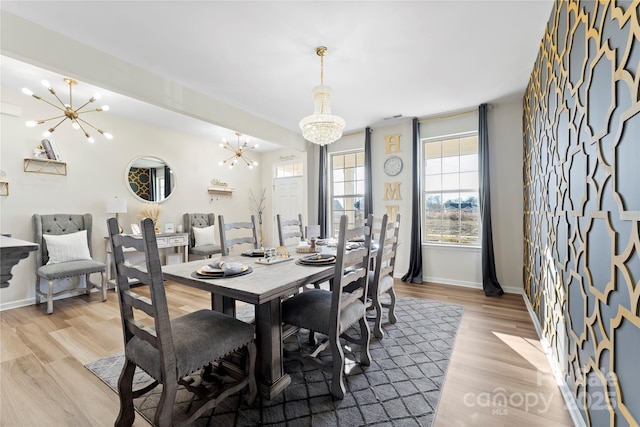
239 152
68 111
322 127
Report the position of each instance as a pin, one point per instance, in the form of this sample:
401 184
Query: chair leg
126 415
103 280
377 329
251 372
337 382
50 297
312 338
37 290
88 284
365 338
164 411
392 306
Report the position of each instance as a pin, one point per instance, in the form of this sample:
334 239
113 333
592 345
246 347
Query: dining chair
290 229
64 252
201 230
227 242
332 312
381 278
193 351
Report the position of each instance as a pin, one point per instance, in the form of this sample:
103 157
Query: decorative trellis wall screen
582 203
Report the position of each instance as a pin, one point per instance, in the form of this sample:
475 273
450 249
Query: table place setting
222 269
254 253
317 259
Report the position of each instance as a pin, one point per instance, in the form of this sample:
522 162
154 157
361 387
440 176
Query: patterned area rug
401 387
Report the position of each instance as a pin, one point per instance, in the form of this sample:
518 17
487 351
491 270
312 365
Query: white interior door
288 200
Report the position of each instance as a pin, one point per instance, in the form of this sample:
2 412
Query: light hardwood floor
496 355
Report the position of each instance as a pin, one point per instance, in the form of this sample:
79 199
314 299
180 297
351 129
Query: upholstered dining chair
332 312
201 230
381 278
289 229
229 237
186 350
65 252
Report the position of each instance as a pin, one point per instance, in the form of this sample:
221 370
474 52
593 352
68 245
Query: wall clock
393 166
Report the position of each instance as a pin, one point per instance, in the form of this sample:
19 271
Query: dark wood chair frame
190 343
305 310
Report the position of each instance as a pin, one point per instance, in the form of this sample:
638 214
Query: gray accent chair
227 241
58 224
187 351
200 220
289 229
332 312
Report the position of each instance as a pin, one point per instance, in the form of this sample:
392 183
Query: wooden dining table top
264 283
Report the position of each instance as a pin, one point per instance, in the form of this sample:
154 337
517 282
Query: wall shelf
215 189
47 166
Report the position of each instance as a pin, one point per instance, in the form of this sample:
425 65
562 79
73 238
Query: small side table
179 241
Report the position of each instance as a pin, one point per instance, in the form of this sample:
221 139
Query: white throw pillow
204 235
67 247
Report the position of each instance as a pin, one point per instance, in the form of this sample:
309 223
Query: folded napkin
228 267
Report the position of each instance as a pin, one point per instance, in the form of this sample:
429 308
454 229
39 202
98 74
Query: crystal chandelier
68 112
322 127
239 152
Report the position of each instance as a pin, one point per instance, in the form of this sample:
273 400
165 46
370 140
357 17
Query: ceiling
385 58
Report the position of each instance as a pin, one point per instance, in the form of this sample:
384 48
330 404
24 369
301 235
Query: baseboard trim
474 285
569 401
16 304
32 301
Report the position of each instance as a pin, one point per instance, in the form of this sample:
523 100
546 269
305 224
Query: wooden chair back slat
286 229
226 243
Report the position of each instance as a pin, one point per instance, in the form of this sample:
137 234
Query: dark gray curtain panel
414 274
368 174
152 185
167 181
322 190
490 283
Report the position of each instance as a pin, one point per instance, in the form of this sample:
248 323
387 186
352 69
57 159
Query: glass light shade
322 127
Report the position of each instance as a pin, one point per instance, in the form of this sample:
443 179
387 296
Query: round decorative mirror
150 179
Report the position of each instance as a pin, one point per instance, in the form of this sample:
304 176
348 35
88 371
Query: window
347 189
288 170
451 213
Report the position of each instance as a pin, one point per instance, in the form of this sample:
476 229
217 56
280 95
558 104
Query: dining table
264 287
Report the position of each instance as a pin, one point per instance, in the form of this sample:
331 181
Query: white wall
506 162
451 264
96 172
463 266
